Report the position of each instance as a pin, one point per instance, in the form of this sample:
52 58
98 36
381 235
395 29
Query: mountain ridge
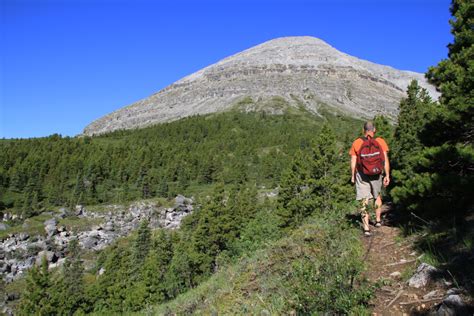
303 70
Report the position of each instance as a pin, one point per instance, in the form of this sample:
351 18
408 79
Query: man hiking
369 165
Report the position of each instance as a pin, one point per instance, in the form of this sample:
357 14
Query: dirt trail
391 262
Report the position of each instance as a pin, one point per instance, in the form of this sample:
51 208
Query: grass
32 226
315 269
79 224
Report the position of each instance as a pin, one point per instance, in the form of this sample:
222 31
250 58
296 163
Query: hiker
370 168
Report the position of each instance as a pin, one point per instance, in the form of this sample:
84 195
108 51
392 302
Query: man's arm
386 179
353 168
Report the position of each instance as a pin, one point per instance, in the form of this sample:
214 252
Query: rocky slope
21 250
305 71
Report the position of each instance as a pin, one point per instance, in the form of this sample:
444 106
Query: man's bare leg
364 214
378 210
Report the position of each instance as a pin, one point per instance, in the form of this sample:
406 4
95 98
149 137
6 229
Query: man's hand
353 179
386 181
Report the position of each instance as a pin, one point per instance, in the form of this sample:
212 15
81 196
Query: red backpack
371 159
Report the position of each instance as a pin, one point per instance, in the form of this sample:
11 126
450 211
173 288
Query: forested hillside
164 160
223 159
242 251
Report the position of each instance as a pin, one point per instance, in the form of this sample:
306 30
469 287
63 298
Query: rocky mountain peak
303 70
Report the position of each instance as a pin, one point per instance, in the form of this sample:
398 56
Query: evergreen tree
452 121
37 297
444 173
142 243
210 235
155 268
328 171
112 287
294 202
69 290
384 128
407 146
411 119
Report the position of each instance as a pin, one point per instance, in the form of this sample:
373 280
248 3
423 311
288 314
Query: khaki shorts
367 187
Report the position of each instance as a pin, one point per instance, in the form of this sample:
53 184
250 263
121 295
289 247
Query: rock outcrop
304 71
21 251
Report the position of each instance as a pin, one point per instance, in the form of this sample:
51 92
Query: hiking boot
367 233
378 224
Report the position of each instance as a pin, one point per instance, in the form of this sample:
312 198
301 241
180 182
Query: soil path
391 261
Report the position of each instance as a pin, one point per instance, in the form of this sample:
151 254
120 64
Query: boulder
179 199
7 311
23 236
4 267
89 242
424 274
80 210
57 264
26 264
109 226
453 291
4 226
50 227
452 305
50 256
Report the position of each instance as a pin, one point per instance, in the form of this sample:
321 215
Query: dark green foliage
452 121
68 291
111 289
329 171
384 128
158 161
242 152
332 283
155 269
142 243
407 146
294 203
441 177
149 269
37 298
411 119
260 230
315 181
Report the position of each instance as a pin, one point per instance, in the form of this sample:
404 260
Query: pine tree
294 202
155 268
69 290
452 121
328 172
411 119
407 147
384 128
211 233
142 243
444 173
37 297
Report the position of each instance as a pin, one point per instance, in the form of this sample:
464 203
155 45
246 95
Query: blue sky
65 63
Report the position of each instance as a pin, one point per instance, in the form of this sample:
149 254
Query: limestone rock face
305 71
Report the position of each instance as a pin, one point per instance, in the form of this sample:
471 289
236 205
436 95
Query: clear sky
65 63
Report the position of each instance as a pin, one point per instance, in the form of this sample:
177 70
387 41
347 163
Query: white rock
423 275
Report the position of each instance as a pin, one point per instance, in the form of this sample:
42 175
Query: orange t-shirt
358 143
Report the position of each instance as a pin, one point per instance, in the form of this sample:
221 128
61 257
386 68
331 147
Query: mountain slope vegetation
242 252
164 160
